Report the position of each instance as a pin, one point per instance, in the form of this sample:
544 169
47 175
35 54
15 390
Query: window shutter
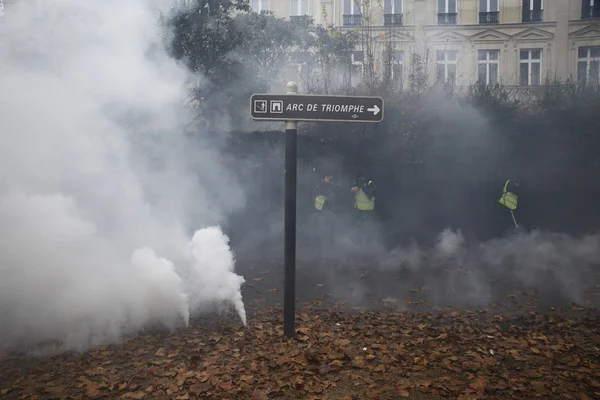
526 7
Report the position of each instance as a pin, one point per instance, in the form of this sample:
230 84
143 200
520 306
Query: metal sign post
289 247
293 107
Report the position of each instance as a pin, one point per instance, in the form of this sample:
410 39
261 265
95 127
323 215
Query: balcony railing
489 17
352 19
447 18
533 16
393 19
299 18
591 12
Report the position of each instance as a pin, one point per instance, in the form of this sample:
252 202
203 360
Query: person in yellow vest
510 198
324 194
325 203
364 194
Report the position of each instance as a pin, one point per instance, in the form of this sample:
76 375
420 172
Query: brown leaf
202 376
300 359
380 368
215 338
375 394
403 393
574 362
259 395
336 363
133 395
539 386
92 390
471 365
57 389
358 362
161 352
184 396
227 386
479 384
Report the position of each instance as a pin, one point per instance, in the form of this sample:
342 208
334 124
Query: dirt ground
338 353
391 338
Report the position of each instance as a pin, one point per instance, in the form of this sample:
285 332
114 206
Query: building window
394 64
447 12
531 67
590 9
488 12
299 8
356 67
357 58
259 5
392 12
446 62
533 10
352 12
588 65
487 66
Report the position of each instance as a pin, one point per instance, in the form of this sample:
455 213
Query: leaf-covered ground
337 354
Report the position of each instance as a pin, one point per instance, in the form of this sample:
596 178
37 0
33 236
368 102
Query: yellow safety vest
319 202
362 201
508 199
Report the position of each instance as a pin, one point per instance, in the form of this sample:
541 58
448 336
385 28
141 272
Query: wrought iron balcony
352 19
591 11
299 18
447 18
533 16
393 19
489 17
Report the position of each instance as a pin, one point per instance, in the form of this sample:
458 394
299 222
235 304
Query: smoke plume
100 192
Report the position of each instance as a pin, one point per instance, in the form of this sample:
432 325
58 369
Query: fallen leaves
379 355
133 395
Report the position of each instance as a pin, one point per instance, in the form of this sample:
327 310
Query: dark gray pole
289 296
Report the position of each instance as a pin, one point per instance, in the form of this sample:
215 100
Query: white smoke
95 216
212 277
527 259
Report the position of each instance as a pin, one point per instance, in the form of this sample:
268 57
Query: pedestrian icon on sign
260 106
276 106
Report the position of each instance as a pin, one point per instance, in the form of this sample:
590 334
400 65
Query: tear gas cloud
100 192
433 223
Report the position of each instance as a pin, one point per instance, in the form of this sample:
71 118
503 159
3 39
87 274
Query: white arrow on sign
375 109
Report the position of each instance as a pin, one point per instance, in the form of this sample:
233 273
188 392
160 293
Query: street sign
292 107
298 107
